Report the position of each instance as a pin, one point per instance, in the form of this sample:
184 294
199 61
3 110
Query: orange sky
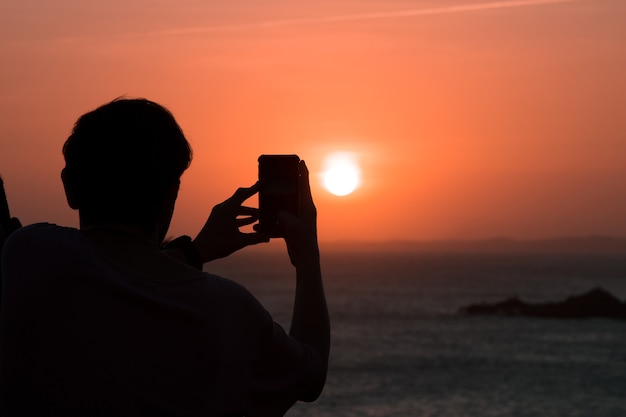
502 119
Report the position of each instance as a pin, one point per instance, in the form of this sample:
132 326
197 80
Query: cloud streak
361 16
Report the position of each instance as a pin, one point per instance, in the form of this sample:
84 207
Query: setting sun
341 175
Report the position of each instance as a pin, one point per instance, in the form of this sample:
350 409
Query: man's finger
244 193
244 221
254 238
248 211
306 199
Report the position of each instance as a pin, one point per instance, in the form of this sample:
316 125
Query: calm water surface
400 349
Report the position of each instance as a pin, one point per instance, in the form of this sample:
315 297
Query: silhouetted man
104 321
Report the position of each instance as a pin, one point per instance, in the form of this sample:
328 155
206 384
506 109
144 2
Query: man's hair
123 159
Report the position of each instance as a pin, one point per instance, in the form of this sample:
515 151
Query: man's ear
70 189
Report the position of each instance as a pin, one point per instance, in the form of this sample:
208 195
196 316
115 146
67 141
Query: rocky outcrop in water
595 303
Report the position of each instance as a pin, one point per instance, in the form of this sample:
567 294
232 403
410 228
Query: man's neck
123 230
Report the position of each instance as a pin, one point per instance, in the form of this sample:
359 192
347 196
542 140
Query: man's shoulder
43 229
38 233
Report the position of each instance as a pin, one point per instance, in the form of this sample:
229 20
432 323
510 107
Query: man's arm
310 323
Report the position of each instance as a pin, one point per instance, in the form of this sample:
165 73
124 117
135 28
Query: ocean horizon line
582 243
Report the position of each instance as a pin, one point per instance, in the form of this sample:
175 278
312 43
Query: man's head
123 163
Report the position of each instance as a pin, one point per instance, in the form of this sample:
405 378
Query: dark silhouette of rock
595 303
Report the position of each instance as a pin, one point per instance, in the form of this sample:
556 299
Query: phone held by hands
278 190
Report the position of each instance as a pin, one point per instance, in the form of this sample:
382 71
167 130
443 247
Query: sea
400 347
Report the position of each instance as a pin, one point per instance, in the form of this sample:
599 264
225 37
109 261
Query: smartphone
278 190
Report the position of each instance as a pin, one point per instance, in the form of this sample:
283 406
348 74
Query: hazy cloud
358 16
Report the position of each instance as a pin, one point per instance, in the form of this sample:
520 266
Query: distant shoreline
588 244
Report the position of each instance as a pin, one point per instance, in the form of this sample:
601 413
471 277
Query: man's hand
301 232
220 235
